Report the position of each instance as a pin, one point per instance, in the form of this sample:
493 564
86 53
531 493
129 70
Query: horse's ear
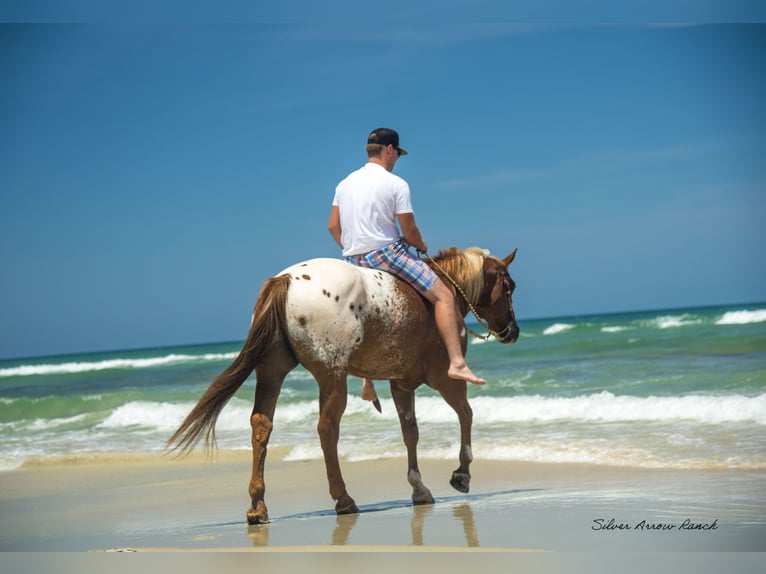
507 260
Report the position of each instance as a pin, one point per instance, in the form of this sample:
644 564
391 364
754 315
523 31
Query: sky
152 176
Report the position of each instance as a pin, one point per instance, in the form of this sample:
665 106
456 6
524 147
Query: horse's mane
465 267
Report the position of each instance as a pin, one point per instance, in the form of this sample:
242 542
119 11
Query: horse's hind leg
404 399
332 403
269 378
454 392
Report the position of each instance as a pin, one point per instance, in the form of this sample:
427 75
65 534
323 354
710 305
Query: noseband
499 335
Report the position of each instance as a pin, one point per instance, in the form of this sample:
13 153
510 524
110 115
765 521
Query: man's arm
411 232
333 226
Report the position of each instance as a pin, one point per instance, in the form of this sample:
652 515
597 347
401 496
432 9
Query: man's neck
380 162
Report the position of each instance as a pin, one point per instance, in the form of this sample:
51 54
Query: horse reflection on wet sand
336 320
259 534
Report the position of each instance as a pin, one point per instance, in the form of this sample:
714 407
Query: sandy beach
154 503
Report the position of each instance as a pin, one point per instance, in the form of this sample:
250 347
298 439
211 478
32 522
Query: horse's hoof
422 498
258 516
461 481
346 505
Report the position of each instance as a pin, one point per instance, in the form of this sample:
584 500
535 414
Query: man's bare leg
446 323
368 390
369 394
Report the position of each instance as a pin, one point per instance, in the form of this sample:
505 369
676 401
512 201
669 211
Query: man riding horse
337 319
363 223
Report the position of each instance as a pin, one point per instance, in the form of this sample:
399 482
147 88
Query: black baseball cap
386 136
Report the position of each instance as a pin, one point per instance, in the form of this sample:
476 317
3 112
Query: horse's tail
265 331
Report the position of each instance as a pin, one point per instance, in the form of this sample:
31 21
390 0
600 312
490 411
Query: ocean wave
162 416
88 366
542 449
742 317
479 341
673 321
674 431
599 408
661 321
167 416
40 424
602 407
547 450
614 329
557 328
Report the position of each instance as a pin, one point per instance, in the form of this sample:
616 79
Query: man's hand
411 232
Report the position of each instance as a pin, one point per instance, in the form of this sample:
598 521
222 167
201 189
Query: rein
490 332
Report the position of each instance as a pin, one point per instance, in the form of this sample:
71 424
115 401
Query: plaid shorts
395 259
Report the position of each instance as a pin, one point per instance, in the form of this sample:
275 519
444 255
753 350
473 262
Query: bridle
499 335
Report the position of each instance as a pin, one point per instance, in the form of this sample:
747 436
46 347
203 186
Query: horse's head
495 304
484 285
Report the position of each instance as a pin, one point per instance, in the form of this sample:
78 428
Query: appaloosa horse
336 320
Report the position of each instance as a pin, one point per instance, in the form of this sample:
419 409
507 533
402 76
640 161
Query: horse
337 319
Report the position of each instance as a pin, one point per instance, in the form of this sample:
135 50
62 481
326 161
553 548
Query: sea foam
602 407
742 317
147 414
598 407
672 321
84 367
614 329
557 328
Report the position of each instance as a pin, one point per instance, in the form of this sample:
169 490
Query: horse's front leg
454 392
332 403
404 399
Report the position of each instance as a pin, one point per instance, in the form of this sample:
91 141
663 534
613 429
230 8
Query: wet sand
150 503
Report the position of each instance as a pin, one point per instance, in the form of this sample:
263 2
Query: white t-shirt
369 200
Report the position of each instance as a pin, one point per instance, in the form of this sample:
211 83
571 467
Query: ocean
661 389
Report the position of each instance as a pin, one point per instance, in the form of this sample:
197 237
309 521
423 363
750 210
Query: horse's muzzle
509 335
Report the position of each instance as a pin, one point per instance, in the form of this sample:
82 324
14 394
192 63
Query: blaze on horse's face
496 304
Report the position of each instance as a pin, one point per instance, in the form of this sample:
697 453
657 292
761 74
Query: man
363 218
